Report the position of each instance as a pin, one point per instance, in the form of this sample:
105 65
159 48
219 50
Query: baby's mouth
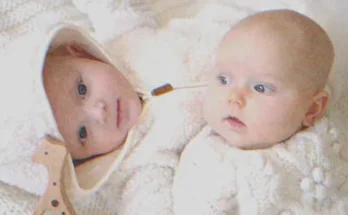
118 113
235 122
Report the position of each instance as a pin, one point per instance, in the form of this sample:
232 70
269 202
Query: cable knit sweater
304 175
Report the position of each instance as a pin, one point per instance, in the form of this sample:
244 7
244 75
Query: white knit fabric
19 17
304 175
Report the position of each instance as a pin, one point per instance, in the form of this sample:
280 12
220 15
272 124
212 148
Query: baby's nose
97 112
238 97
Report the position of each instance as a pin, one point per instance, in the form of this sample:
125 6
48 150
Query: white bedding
174 13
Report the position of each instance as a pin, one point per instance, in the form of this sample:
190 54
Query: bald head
295 39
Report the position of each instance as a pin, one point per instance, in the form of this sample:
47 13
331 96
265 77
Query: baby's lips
235 122
117 112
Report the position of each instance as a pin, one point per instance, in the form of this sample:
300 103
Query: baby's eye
82 134
223 80
81 88
263 88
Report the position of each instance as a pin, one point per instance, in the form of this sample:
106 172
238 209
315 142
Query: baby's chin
255 141
80 155
258 146
244 144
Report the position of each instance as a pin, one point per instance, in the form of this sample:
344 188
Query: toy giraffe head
50 150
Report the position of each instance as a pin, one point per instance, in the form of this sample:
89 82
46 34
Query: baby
72 92
106 103
267 149
93 103
112 128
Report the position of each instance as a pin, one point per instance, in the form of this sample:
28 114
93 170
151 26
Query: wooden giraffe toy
53 155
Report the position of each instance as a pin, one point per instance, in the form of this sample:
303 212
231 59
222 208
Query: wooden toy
53 155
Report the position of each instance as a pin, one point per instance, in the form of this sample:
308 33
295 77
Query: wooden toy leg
55 202
53 154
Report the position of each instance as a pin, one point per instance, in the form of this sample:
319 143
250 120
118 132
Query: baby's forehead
264 35
267 42
241 47
268 62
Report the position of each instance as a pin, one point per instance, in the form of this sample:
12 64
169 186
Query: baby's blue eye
223 80
82 134
262 88
81 88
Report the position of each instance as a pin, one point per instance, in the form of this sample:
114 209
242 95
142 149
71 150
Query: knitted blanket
304 175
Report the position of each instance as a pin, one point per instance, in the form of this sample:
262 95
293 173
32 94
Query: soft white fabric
304 175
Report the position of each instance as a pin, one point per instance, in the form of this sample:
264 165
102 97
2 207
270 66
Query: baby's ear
317 108
77 51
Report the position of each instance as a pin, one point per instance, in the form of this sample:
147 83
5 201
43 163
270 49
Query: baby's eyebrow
274 78
71 78
72 90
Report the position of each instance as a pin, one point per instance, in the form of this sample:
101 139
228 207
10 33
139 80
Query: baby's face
255 100
93 103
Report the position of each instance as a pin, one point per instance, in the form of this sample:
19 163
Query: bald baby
269 78
291 36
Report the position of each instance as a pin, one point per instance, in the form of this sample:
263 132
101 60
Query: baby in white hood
267 149
103 100
93 103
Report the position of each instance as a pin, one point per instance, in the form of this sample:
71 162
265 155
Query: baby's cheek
259 110
212 105
266 117
280 122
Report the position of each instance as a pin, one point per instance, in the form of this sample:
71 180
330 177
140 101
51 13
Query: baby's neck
301 127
